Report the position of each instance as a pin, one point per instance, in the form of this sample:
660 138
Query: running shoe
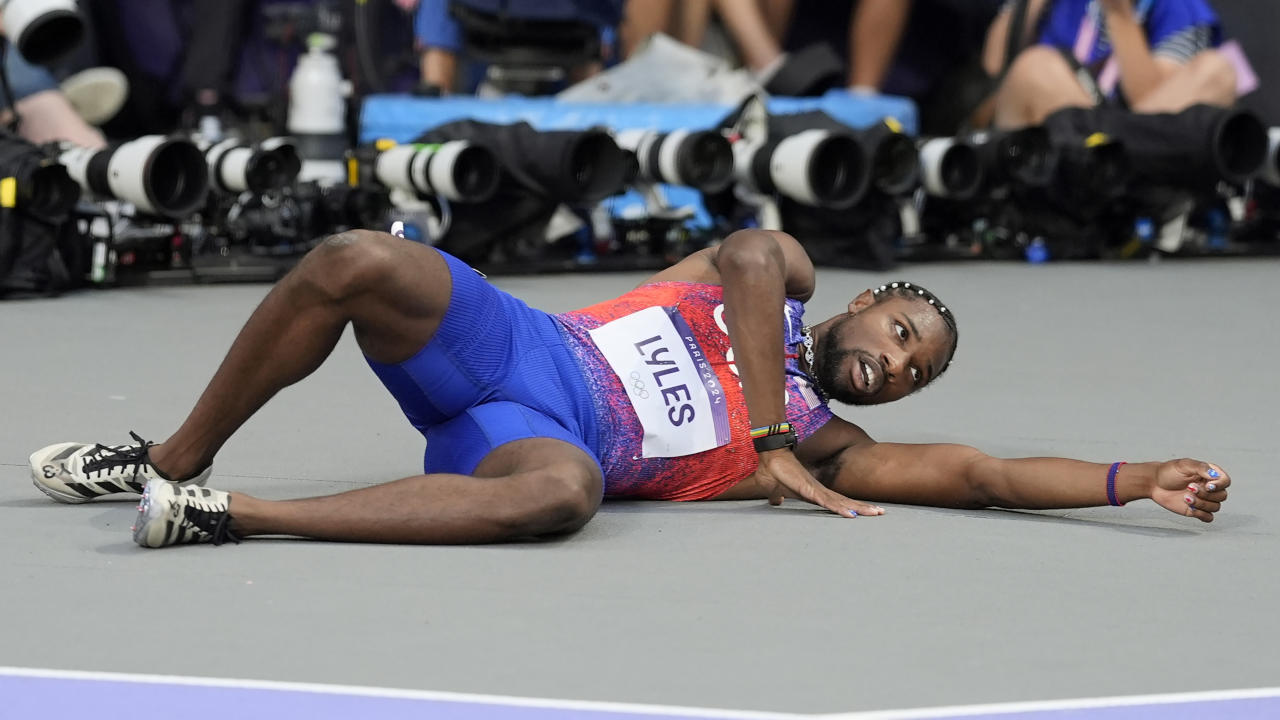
173 515
80 472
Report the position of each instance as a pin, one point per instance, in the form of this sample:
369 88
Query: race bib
669 381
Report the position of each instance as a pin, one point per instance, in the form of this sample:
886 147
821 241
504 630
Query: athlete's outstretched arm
964 477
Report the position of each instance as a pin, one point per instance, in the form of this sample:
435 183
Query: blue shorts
25 78
496 371
434 27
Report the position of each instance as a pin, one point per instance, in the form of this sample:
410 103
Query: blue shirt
1175 29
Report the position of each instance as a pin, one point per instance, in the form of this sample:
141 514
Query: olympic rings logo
638 386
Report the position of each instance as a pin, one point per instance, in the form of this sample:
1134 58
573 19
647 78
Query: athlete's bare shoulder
698 267
703 266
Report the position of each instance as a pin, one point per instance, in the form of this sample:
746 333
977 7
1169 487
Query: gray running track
729 605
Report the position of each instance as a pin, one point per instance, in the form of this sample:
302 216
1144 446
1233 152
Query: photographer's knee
1215 76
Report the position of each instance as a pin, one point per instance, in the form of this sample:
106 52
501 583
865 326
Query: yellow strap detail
9 192
1096 139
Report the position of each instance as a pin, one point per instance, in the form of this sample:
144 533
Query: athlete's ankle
242 524
171 465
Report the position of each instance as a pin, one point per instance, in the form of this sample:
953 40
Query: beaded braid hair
911 290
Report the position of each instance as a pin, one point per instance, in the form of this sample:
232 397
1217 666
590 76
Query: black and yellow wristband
773 437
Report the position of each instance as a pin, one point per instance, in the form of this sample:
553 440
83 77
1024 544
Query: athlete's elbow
749 251
981 479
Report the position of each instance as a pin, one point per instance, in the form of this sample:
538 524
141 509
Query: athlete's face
881 351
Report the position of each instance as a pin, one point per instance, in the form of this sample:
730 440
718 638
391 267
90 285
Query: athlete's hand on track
1191 487
780 470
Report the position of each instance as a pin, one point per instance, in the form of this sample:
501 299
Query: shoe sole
151 527
97 94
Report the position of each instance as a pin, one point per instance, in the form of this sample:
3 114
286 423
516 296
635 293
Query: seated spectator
45 113
684 20
872 31
440 40
759 30
1149 55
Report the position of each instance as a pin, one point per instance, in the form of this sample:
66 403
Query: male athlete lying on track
704 383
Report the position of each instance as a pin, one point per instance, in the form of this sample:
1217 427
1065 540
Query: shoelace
222 533
104 458
198 514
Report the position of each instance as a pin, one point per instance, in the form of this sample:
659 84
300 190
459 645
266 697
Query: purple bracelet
1111 485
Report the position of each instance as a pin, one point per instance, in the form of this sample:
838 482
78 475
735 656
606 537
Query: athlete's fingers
1202 504
1200 509
1214 477
1201 491
847 507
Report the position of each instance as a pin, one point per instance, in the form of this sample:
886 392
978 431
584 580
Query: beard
827 363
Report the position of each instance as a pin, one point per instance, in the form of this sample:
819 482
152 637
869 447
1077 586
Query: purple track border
28 693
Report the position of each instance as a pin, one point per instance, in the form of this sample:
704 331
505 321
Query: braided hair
911 290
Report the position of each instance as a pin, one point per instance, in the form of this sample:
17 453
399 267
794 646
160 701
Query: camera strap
1014 40
6 89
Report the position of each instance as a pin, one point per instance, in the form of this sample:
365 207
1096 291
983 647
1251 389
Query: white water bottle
318 111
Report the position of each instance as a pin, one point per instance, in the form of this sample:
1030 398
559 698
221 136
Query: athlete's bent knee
351 262
558 500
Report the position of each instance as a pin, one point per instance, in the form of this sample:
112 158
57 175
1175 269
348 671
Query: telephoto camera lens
235 167
1024 156
895 161
1195 148
950 168
1271 169
591 166
815 167
42 187
49 193
1097 169
566 166
457 170
44 31
1239 145
701 159
159 175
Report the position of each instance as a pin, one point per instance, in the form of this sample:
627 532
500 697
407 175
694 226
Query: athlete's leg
523 489
1208 78
1039 83
393 291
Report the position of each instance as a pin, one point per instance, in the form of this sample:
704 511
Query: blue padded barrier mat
403 117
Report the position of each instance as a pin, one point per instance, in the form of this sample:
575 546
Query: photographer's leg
48 116
1039 83
393 291
1208 78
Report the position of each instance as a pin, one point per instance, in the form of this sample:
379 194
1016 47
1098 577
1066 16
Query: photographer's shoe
173 515
97 94
79 472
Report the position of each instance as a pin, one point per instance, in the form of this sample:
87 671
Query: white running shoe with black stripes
173 515
80 472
